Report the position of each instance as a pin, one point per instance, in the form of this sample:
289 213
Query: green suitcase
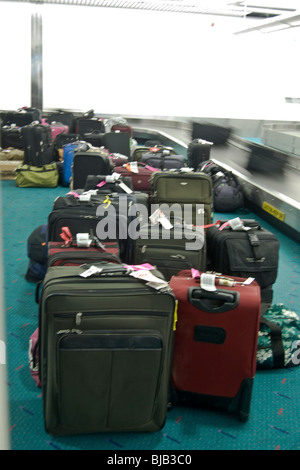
191 191
106 347
170 251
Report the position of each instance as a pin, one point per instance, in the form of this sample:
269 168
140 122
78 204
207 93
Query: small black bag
37 252
243 248
227 192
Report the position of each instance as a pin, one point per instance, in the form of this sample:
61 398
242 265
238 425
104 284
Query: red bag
141 180
216 337
68 253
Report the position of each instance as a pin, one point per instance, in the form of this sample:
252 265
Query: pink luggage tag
66 235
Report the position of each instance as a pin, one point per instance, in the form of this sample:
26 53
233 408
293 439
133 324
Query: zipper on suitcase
78 316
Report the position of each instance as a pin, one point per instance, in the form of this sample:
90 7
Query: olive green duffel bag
28 176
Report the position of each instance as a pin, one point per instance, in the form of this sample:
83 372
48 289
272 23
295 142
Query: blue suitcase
68 157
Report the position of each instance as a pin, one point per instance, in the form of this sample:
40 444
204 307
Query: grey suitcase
106 347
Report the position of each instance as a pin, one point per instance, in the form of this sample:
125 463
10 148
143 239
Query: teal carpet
274 423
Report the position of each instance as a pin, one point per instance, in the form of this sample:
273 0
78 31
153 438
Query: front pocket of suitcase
108 381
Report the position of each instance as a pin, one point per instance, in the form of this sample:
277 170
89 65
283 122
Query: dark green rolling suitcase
170 251
192 191
106 346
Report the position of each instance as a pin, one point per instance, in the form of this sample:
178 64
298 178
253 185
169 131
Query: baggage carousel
270 178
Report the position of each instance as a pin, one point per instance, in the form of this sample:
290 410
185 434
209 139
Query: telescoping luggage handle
218 301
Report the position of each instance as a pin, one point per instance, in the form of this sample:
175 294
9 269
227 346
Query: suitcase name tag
159 217
235 224
209 281
83 240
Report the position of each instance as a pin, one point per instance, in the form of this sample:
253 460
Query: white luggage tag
86 196
91 271
132 166
125 188
159 217
235 224
209 281
83 240
112 178
150 279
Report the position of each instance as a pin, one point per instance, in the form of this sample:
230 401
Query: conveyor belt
274 194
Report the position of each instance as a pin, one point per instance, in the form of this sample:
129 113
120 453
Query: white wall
15 40
148 63
135 62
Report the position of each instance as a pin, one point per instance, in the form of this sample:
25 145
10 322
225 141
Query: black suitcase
245 253
117 142
94 138
38 145
86 126
106 215
21 117
12 137
150 146
211 132
91 162
163 160
106 348
65 117
63 139
198 152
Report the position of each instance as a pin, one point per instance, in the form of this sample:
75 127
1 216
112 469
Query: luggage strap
255 244
276 343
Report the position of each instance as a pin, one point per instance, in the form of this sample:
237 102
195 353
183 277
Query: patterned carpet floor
274 422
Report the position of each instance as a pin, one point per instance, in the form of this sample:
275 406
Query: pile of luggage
141 290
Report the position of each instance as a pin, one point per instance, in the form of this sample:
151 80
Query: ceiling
263 15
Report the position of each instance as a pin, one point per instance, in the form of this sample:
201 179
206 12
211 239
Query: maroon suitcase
214 360
140 180
60 254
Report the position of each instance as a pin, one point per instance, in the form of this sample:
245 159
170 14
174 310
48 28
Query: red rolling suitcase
214 360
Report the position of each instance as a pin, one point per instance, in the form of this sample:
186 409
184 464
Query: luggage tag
137 267
209 281
235 224
132 166
83 240
86 196
91 271
150 279
66 235
159 217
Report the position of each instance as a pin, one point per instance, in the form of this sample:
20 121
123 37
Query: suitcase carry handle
218 301
107 268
